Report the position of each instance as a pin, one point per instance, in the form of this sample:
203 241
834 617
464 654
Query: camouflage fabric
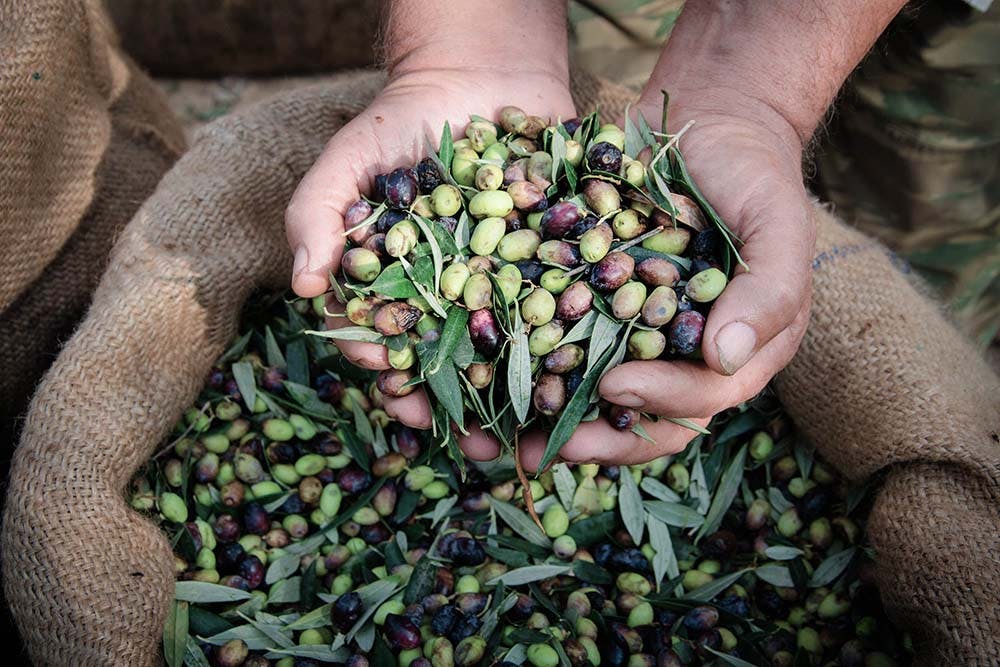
913 152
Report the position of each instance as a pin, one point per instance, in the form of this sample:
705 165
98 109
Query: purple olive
226 528
355 215
622 418
255 519
346 610
613 271
575 302
388 219
396 317
251 569
401 187
393 382
604 156
685 332
550 394
484 332
558 220
353 480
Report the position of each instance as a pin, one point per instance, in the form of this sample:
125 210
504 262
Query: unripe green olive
538 307
670 241
627 224
646 344
555 521
478 292
490 204
633 172
612 135
464 166
481 134
574 152
401 238
361 264
497 151
480 375
361 310
543 339
761 446
402 359
453 280
596 242
602 197
173 508
540 169
519 245
489 177
555 281
706 285
487 234
641 614
446 199
628 300
509 279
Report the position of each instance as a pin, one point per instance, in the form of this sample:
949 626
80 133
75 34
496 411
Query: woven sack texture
86 136
100 577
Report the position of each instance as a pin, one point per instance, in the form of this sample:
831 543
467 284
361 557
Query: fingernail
735 344
627 400
301 260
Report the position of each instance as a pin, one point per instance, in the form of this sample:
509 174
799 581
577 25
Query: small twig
670 144
529 501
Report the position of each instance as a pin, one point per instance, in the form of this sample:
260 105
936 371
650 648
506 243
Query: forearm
516 35
784 59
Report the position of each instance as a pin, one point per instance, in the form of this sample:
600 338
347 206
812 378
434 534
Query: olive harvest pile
510 269
310 529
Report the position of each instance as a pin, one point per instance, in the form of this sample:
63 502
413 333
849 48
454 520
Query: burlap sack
83 568
227 37
86 138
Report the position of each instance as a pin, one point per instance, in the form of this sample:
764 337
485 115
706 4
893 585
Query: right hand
386 135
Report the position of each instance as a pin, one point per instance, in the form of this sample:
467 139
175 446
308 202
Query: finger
599 442
685 388
314 221
366 355
479 445
760 303
413 409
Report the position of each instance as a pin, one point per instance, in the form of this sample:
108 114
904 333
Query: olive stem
670 144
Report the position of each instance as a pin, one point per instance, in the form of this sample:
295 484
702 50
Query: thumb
314 218
761 302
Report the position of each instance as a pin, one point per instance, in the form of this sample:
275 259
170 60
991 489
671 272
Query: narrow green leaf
426 227
202 592
316 618
565 484
664 559
236 349
273 350
804 455
519 369
394 283
674 514
321 652
730 659
831 568
428 296
778 501
446 151
363 334
254 638
630 506
286 591
362 426
443 383
557 149
713 588
246 383
582 330
525 575
421 581
309 400
571 176
690 425
776 575
193 655
462 231
520 523
454 330
634 142
659 490
298 361
725 492
175 634
781 552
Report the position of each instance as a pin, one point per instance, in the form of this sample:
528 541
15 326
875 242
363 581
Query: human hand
385 136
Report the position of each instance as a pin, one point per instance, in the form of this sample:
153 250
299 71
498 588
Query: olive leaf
528 574
582 330
370 220
659 490
362 426
309 400
363 334
571 176
520 522
519 369
175 634
776 575
236 350
273 632
428 296
454 330
634 141
297 355
831 568
604 335
565 484
320 652
804 455
443 382
716 586
463 232
246 383
647 132
725 493
557 149
674 514
729 659
394 283
630 506
193 655
202 592
372 595
638 253
446 151
664 558
272 350
782 552
251 636
425 227
779 503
